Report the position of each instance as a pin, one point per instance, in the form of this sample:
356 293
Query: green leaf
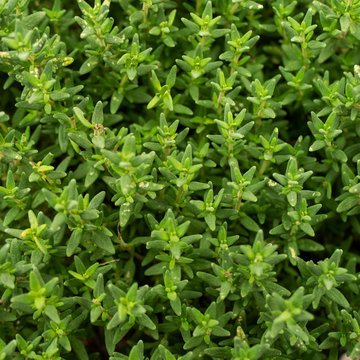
145 321
211 221
33 20
347 204
103 242
307 229
59 96
116 100
125 213
210 279
268 113
97 200
98 117
335 295
7 316
137 351
99 141
309 245
73 242
171 78
81 139
89 65
355 30
11 216
79 348
317 145
218 352
193 342
80 116
292 198
176 306
33 220
249 223
7 280
115 321
168 101
52 313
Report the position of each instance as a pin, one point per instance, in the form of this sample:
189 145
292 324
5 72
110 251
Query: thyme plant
179 179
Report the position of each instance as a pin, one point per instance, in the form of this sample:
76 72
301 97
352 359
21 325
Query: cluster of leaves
179 179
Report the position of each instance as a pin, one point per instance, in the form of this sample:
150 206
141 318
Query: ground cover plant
179 179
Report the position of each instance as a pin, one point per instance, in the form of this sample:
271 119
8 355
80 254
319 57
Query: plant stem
264 165
236 61
238 203
203 42
109 262
126 246
145 10
123 80
304 53
234 8
179 194
220 97
4 127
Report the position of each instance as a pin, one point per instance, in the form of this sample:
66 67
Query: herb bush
180 180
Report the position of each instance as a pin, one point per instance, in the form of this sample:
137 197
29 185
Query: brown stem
109 262
234 8
123 81
179 194
231 148
304 53
4 127
126 246
203 42
263 167
238 203
220 97
236 60
145 10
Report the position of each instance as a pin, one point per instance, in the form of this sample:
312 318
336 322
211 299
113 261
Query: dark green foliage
179 179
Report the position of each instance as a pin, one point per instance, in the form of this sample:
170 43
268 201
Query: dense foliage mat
179 179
